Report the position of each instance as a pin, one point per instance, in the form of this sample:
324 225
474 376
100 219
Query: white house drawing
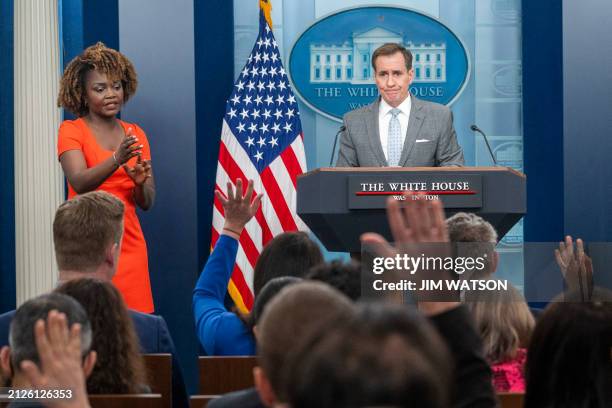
350 62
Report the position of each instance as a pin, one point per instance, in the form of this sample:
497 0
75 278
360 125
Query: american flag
261 141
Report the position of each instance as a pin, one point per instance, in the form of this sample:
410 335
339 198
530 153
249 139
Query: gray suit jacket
430 139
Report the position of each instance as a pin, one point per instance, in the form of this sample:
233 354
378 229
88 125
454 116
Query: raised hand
238 209
59 351
127 149
576 266
414 224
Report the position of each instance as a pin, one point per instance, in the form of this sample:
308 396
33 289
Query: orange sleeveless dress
132 277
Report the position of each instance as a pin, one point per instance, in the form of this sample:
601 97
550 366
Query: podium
339 204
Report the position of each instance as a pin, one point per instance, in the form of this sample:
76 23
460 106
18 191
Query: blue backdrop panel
543 119
7 162
543 133
214 76
158 38
587 118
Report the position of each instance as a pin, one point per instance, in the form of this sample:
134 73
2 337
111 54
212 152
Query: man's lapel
414 126
373 131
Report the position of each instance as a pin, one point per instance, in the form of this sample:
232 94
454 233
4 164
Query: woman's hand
127 149
238 209
140 172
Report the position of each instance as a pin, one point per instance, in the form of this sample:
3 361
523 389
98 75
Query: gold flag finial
266 7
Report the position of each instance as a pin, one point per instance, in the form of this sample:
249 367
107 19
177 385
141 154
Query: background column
39 185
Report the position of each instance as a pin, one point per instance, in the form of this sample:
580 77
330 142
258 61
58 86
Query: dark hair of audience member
120 367
270 289
288 254
569 361
21 337
346 277
386 355
296 311
503 320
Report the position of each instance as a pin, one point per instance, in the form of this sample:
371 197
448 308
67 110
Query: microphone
331 159
475 128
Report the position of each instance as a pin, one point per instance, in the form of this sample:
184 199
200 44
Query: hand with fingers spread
414 224
59 351
128 148
238 209
141 171
576 266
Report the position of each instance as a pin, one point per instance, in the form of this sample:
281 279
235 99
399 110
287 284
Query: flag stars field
261 141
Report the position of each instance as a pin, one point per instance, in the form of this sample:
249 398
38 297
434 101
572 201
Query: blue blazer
154 337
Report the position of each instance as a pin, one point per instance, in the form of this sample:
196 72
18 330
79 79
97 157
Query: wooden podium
339 204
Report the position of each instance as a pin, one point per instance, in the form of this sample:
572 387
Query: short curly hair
96 57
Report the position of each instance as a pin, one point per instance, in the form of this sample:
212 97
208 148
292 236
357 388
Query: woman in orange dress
98 151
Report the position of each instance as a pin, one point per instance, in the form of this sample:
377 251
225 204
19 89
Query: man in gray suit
398 129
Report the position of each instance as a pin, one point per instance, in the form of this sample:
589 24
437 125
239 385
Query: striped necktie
394 139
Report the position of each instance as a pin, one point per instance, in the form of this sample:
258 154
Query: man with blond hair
87 232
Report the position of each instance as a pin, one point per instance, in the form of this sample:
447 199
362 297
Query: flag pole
266 7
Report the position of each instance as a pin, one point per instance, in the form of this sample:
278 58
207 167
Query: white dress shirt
384 117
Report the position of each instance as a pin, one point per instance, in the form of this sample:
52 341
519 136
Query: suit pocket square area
422 140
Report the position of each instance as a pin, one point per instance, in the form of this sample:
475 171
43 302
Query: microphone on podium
331 159
475 128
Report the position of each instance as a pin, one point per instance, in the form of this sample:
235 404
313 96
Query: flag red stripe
245 292
231 167
265 230
278 200
215 238
292 164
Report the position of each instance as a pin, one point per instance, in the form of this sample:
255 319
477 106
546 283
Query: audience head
296 311
479 237
73 93
346 277
87 234
503 320
384 355
569 361
120 368
270 289
288 254
22 344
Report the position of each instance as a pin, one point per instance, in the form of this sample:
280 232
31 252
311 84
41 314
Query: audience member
474 237
385 355
249 398
505 324
21 361
87 232
270 289
413 223
569 362
59 352
120 367
220 331
297 310
346 277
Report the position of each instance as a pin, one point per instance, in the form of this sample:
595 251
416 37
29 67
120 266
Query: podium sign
367 191
340 204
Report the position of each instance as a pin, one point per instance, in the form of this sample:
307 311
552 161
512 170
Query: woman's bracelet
115 159
231 230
